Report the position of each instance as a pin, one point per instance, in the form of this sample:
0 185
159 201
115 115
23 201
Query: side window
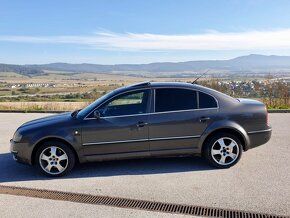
126 104
173 99
206 101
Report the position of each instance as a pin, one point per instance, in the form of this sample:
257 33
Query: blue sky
141 31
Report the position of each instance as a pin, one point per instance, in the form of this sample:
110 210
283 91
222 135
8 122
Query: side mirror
97 114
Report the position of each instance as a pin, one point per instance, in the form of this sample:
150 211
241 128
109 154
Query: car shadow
11 171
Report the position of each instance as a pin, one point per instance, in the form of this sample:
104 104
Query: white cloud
251 40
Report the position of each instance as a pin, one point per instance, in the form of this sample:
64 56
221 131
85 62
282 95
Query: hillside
23 70
250 63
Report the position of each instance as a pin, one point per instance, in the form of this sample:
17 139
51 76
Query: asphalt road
259 182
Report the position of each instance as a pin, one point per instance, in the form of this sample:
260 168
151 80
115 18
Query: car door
177 123
121 131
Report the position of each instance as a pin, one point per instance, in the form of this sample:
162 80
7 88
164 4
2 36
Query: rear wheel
54 158
223 150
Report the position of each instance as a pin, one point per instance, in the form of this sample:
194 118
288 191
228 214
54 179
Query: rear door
176 123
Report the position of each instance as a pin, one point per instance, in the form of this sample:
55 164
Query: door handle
141 124
204 119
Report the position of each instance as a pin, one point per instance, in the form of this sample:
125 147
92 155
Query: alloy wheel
225 151
53 160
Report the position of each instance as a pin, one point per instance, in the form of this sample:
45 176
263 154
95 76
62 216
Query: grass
43 106
279 108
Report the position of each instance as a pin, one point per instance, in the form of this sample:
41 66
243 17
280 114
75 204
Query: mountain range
249 63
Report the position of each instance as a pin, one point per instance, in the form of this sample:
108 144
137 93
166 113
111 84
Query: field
67 91
61 91
39 106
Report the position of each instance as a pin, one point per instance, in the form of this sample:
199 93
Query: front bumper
20 151
259 137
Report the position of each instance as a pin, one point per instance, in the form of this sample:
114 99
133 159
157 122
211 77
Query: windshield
90 107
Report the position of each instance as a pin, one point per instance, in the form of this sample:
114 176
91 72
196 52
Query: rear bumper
20 152
260 137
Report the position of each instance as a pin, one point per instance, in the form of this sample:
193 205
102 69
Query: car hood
49 120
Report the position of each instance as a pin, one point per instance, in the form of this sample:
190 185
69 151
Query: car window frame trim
152 96
197 99
100 105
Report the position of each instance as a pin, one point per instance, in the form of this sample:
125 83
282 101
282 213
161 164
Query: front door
121 131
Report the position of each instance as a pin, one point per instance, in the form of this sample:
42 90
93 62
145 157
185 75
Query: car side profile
147 119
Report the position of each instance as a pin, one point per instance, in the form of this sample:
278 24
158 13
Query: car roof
148 84
159 84
165 84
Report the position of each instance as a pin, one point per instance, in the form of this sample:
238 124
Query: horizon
129 32
249 55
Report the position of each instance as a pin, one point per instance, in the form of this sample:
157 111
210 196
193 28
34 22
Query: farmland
66 91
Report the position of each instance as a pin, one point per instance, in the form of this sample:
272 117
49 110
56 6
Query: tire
54 158
223 150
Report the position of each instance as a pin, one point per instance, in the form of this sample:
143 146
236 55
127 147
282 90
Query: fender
224 124
62 134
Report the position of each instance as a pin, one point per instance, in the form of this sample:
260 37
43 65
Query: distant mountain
247 63
250 62
23 70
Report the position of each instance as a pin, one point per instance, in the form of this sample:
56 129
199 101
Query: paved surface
17 206
260 182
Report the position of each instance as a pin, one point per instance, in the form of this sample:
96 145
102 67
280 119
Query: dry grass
49 106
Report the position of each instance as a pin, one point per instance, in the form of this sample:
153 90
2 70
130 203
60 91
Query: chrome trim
115 142
198 109
142 151
164 112
176 137
130 115
260 131
141 140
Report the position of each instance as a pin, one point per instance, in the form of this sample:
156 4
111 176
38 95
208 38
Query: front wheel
223 150
54 158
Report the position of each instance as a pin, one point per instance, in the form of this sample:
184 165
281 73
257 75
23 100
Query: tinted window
206 101
174 99
126 104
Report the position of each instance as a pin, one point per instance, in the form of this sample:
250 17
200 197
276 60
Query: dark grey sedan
145 120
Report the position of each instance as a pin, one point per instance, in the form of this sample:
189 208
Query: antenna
199 77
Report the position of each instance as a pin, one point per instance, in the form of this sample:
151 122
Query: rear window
171 99
206 101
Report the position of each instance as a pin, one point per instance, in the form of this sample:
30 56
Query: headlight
17 137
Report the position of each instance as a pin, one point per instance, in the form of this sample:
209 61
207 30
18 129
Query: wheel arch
229 130
40 142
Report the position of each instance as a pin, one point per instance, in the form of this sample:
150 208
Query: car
148 119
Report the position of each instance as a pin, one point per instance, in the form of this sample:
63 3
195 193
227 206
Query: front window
126 104
174 99
93 105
